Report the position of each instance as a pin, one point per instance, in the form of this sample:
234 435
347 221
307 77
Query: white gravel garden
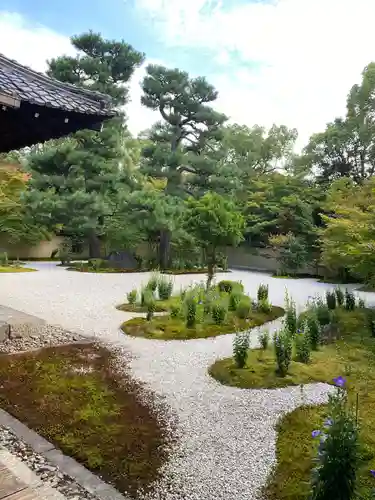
226 435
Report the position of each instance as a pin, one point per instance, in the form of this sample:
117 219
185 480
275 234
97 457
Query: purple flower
372 472
315 434
328 423
339 381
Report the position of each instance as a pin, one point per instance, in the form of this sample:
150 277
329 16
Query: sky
288 62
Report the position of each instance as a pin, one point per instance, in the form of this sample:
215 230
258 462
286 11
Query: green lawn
73 397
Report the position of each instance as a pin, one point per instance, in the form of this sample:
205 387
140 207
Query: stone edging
92 483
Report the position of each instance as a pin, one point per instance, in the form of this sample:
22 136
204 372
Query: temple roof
27 85
35 108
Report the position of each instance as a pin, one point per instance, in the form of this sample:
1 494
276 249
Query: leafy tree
78 184
215 223
178 149
292 250
348 240
347 147
16 223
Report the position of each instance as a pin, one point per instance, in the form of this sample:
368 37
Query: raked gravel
226 445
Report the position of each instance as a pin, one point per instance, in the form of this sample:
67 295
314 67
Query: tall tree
347 147
77 184
178 150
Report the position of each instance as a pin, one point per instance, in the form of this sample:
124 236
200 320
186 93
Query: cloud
32 45
306 54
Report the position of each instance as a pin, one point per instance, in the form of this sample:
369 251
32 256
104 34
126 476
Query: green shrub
230 286
262 292
322 312
191 311
176 311
151 306
339 296
349 300
314 330
303 345
338 460
96 264
241 344
132 296
243 309
234 300
264 306
219 312
146 296
152 283
361 303
331 300
165 288
4 259
264 339
371 321
290 315
283 347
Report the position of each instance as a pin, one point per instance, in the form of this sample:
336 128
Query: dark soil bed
73 396
167 328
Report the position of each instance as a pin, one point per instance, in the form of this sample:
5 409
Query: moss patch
73 397
160 306
11 269
167 328
354 357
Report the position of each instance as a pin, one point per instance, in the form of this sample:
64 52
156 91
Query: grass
90 269
16 269
167 328
74 397
353 356
160 306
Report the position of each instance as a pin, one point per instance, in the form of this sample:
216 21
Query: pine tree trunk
94 245
164 249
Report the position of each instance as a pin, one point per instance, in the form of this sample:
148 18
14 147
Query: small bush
371 321
314 330
96 264
151 306
339 297
132 297
322 312
243 309
338 460
262 292
4 259
349 300
264 306
234 300
165 288
176 311
361 303
290 315
283 346
241 344
303 345
146 296
219 312
264 339
331 300
191 311
152 283
229 286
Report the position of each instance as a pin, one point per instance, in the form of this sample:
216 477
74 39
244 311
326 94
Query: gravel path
227 438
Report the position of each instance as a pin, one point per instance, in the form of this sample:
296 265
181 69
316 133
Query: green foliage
335 475
290 315
219 312
370 317
314 329
146 296
165 288
132 296
361 303
241 344
264 339
264 305
303 345
331 300
283 347
151 306
4 259
322 312
153 282
190 305
176 311
292 252
234 300
340 297
349 300
230 286
262 293
243 308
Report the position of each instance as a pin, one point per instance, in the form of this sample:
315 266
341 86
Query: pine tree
76 184
181 149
